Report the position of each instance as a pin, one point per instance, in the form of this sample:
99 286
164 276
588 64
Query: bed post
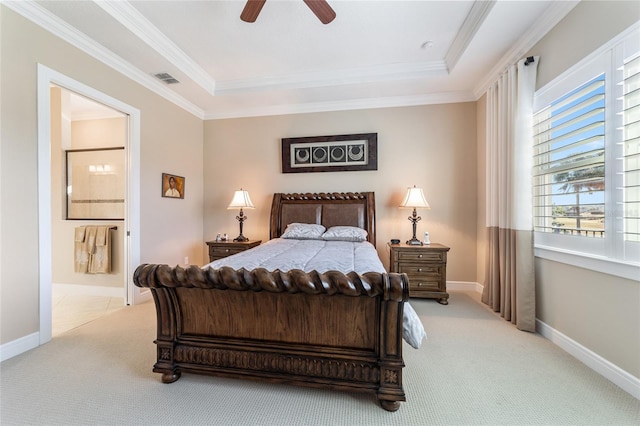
167 320
167 334
390 392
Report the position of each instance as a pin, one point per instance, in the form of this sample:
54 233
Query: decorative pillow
345 233
303 231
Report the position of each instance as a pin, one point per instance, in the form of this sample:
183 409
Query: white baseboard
612 372
89 290
18 346
464 286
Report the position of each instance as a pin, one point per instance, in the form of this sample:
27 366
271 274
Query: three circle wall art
330 153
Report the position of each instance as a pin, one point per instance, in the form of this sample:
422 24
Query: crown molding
134 21
42 17
353 104
554 14
388 72
474 20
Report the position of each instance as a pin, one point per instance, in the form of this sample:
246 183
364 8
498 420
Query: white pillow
345 233
303 231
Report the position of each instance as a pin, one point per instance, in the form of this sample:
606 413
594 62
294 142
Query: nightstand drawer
224 251
421 256
424 283
221 249
422 270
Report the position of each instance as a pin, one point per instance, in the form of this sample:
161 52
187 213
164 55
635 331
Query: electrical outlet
186 260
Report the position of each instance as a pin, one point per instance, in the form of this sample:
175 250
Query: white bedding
321 256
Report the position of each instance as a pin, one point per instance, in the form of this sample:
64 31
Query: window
569 147
586 177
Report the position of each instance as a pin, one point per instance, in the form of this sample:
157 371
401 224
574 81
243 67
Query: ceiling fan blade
323 11
252 10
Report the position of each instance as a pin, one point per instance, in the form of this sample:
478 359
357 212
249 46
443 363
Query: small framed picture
172 186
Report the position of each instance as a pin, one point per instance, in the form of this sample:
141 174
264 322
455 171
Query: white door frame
132 294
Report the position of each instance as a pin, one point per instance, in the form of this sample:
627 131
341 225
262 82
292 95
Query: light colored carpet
474 369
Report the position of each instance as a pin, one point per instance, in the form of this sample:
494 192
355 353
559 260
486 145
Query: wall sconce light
414 200
241 200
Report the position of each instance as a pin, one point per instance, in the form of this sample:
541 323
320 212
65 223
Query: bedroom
568 296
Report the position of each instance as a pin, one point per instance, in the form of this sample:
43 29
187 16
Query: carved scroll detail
325 196
279 363
389 286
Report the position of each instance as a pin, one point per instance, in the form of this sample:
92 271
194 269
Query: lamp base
414 242
240 239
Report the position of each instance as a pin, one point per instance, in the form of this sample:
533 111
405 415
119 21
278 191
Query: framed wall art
336 153
172 186
96 183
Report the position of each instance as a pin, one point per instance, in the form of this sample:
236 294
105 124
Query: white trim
135 22
465 286
45 19
610 371
554 14
628 270
626 381
541 93
18 346
45 266
46 77
368 103
375 74
89 290
472 23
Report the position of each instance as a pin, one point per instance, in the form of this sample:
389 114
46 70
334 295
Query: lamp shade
241 200
415 199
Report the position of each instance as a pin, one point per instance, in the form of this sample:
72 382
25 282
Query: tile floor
73 310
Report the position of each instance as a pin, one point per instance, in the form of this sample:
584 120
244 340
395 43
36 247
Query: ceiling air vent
166 77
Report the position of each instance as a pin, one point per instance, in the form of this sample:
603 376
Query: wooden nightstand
221 249
426 267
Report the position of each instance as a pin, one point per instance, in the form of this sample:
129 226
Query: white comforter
321 256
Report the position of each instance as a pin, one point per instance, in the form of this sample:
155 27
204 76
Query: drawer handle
226 250
419 256
419 269
419 284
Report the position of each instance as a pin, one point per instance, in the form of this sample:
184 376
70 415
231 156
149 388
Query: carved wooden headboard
327 209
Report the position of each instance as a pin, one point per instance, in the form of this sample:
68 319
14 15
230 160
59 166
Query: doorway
88 183
130 226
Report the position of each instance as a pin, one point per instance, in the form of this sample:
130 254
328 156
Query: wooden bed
330 330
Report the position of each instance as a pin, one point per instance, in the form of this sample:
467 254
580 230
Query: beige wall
171 141
600 312
428 146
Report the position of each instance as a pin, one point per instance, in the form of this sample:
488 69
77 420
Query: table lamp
414 200
241 200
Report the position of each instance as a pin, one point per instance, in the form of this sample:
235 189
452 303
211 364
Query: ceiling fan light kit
320 8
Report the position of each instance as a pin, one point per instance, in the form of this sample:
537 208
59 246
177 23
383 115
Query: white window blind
631 149
569 163
586 176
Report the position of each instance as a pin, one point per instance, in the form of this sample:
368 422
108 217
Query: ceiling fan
321 8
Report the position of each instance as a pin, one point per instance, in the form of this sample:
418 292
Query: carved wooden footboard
332 330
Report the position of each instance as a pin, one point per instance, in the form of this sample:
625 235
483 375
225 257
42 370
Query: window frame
611 254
